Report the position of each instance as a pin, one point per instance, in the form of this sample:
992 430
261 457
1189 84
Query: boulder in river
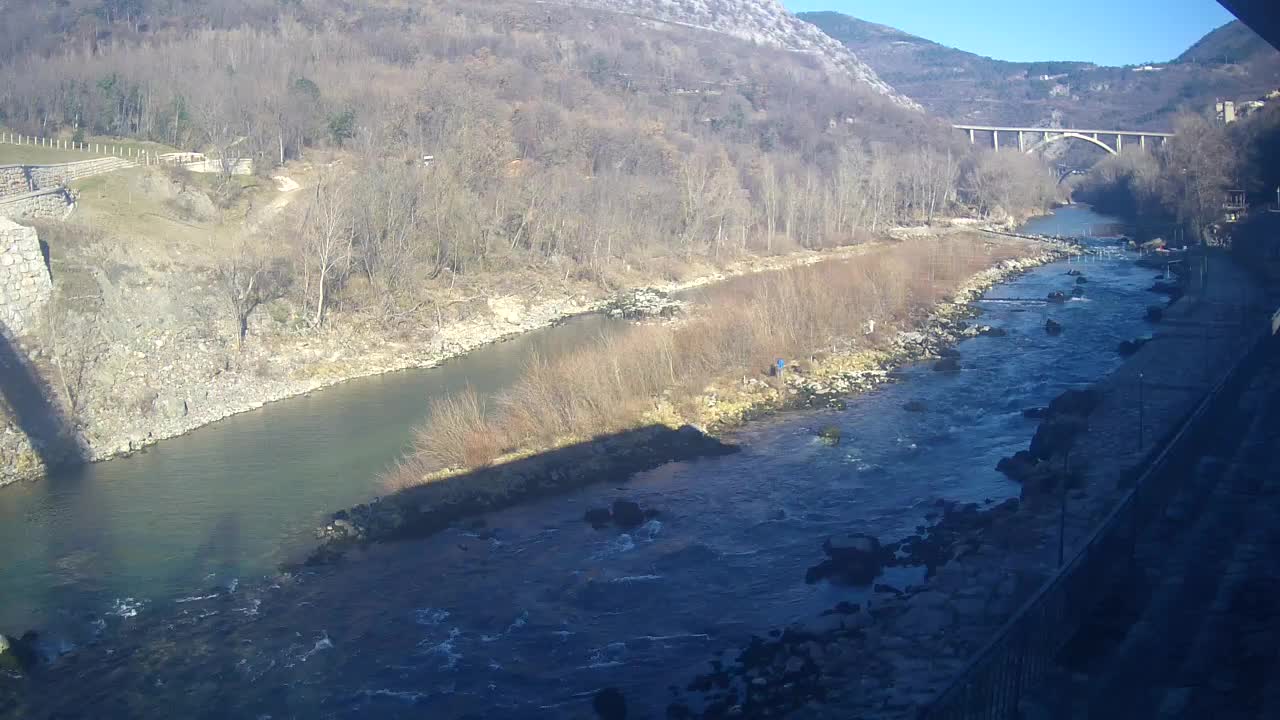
623 513
1081 280
1035 413
947 364
598 518
627 514
1074 272
854 559
988 331
1077 292
830 434
915 406
1129 347
1052 327
610 704
1057 296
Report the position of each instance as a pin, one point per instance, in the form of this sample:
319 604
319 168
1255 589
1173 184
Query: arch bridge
1031 139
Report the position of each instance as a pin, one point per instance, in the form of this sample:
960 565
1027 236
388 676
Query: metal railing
1024 650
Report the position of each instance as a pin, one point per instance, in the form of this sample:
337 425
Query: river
166 556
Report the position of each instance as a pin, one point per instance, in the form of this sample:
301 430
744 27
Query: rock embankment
423 510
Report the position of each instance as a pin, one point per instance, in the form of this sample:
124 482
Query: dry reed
739 327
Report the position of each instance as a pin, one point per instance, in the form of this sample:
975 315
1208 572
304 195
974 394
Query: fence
1025 649
116 150
193 161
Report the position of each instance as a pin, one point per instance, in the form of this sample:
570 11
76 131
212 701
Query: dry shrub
745 324
458 433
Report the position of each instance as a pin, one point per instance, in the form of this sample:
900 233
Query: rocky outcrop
1064 420
642 304
765 22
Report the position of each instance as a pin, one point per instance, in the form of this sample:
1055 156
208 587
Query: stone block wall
25 285
14 180
48 176
53 204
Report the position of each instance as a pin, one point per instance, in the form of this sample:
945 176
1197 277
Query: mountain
1231 62
1231 43
765 22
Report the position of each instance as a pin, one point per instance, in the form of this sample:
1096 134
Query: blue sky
1107 32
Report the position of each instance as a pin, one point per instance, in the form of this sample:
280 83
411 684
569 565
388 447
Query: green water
230 501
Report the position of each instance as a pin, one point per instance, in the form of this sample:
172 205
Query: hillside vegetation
574 151
1231 62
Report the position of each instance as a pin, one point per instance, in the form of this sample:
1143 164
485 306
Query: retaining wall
52 204
25 285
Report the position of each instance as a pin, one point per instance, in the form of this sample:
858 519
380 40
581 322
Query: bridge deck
1127 133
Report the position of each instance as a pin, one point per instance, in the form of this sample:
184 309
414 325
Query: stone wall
52 204
14 180
25 285
48 176
22 179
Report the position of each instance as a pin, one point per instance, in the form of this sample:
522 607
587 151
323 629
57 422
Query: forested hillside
557 132
1230 63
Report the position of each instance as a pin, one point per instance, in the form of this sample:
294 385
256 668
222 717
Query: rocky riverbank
453 496
893 654
164 380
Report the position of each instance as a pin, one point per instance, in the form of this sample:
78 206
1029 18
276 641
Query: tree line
1189 179
571 143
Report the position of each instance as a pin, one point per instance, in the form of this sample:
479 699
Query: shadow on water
242 652
35 410
420 511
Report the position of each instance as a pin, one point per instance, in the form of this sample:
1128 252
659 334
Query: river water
153 566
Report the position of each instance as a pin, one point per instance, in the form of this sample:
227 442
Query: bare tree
327 238
246 278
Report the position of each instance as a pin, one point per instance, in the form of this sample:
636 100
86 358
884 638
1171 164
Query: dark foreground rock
1129 347
947 364
18 654
855 559
1155 313
609 704
1053 327
811 661
627 514
427 509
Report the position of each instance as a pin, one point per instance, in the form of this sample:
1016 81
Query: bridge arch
1073 135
